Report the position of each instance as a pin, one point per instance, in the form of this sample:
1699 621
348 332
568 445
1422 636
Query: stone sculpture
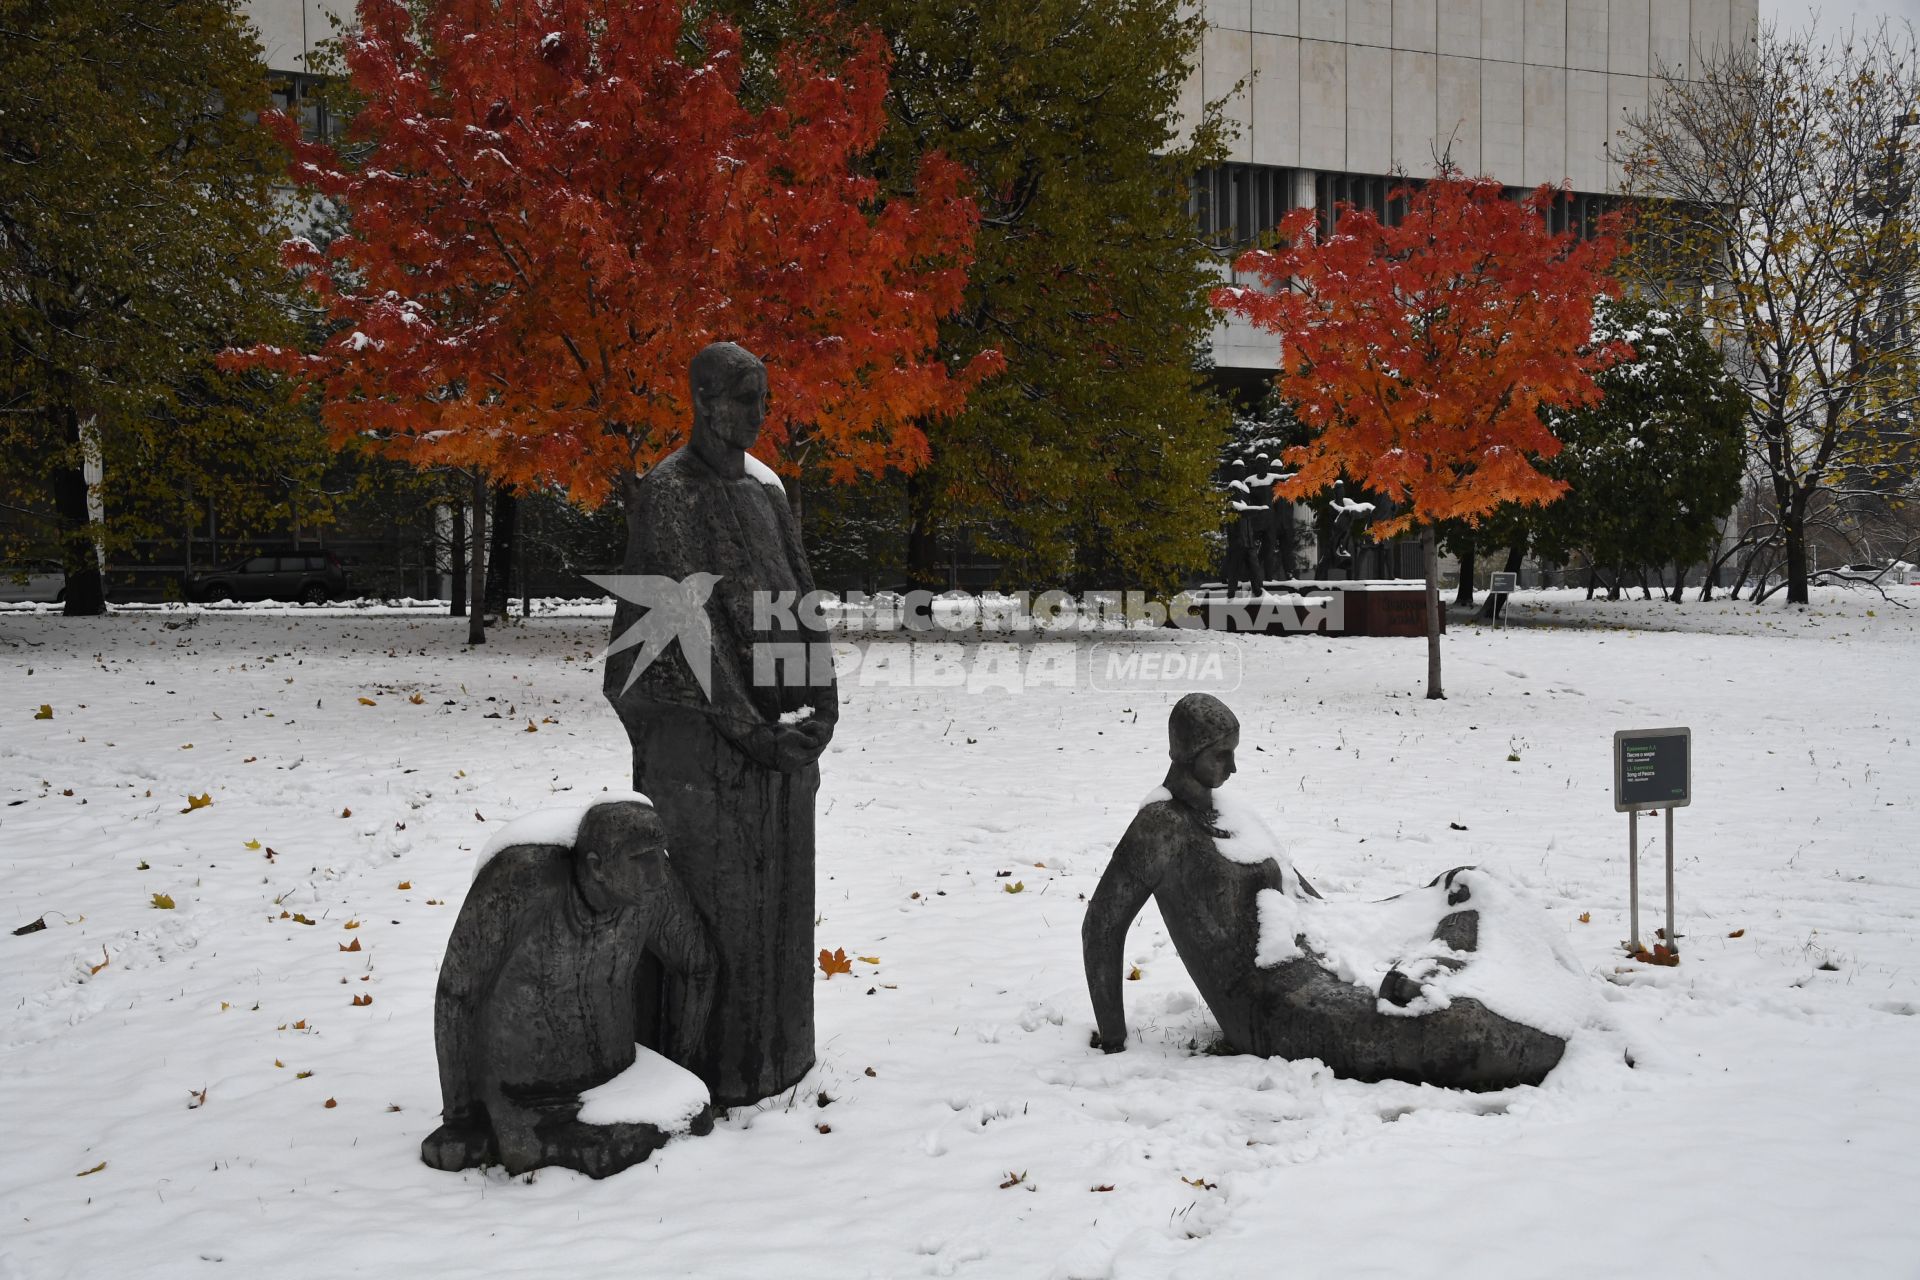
1231 906
1348 517
543 995
726 725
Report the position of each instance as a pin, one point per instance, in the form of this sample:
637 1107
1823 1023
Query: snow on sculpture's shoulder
654 1090
763 473
556 826
1244 834
1156 796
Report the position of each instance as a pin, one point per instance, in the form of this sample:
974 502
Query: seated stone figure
550 978
1245 926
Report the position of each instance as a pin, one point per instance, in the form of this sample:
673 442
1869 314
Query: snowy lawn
235 1113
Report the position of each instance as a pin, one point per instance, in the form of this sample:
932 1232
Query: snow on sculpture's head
1202 735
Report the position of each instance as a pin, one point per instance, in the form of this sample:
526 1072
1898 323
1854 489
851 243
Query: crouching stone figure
551 977
1278 965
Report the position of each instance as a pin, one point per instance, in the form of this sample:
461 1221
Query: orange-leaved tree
1420 353
552 205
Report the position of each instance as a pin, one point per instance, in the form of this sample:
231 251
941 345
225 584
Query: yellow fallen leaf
1586 917
531 726
46 713
351 924
868 959
197 802
278 1063
103 1164
251 844
368 702
416 699
162 902
1018 886
1133 974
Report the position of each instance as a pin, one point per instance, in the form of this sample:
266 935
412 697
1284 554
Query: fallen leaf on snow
105 959
351 946
1586 917
162 902
868 959
368 702
362 1000
197 802
97 1168
834 962
1738 933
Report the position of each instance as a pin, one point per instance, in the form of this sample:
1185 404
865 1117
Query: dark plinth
1331 607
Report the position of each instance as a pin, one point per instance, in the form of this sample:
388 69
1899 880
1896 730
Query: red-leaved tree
553 204
1421 353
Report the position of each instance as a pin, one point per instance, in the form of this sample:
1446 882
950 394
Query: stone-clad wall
1528 91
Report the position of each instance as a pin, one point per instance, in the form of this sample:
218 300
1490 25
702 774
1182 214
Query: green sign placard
1652 769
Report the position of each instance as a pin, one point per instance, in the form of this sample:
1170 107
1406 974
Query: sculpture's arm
483 936
825 697
680 940
1129 880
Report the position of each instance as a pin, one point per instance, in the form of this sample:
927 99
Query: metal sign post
1652 769
1502 586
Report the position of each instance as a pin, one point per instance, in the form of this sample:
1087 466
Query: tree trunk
79 556
1646 592
1430 553
502 534
1679 583
923 547
457 561
477 570
1593 579
1796 529
1463 594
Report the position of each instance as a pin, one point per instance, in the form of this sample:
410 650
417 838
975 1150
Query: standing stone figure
542 996
727 724
1209 871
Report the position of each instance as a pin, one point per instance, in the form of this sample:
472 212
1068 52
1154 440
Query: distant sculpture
542 996
1348 517
726 725
1231 905
1257 547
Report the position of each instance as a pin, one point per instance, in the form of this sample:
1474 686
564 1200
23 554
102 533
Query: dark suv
311 577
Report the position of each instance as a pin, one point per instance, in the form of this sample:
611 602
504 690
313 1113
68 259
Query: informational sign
1505 584
1652 769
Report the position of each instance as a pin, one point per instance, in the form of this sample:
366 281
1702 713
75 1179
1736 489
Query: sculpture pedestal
1332 607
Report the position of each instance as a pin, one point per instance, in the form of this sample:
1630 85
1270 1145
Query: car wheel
217 593
313 593
60 596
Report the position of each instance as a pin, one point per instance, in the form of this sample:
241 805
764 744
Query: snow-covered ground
235 1113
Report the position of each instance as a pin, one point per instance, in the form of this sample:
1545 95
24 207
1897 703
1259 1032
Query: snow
763 473
1767 1128
652 1091
549 826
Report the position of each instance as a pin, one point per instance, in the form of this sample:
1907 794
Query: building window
298 95
1235 204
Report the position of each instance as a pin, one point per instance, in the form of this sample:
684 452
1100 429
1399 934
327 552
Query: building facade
1332 98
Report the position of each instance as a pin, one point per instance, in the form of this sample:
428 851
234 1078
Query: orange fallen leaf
404 884
346 813
1134 974
834 962
1738 933
351 946
1586 917
531 726
1201 1183
331 1104
416 699
360 1001
368 702
104 960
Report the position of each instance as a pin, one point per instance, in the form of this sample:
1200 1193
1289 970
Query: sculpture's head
1202 735
622 849
729 393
